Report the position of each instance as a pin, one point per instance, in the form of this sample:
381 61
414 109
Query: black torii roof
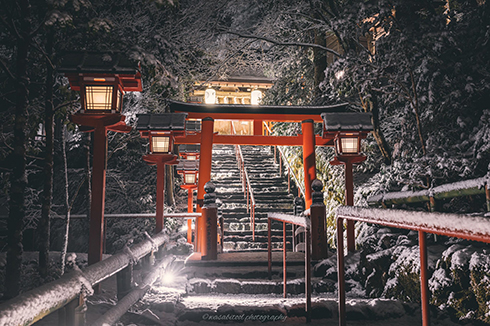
347 121
188 165
161 121
189 148
176 106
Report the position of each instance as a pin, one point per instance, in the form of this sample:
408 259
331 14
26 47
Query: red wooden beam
253 140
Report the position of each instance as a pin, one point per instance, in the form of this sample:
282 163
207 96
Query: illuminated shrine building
235 90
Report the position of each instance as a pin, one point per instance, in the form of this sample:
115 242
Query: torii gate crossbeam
206 138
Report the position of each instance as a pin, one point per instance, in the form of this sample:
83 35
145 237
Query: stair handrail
290 169
247 189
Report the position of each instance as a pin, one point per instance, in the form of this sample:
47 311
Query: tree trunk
169 185
319 61
67 204
18 178
43 226
88 145
373 107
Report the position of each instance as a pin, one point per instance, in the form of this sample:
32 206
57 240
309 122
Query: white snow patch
439 280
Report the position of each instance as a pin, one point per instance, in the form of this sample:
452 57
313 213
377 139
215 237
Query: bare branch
46 56
279 43
65 104
7 70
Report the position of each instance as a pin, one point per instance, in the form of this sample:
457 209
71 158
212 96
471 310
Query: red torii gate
206 138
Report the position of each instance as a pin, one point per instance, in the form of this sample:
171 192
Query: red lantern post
348 129
161 129
102 79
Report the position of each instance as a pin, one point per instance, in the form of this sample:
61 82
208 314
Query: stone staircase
271 195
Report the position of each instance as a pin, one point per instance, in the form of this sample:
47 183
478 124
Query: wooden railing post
284 269
124 280
209 250
487 194
269 248
318 222
298 209
424 288
308 274
75 312
340 271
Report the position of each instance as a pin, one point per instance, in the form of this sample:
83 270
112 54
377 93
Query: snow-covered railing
136 215
115 313
299 185
476 228
301 221
31 306
246 185
451 190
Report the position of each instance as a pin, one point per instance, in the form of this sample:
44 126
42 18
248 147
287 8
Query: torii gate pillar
309 162
205 161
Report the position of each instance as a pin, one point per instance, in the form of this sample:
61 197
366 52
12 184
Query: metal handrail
290 169
299 221
446 191
246 185
452 225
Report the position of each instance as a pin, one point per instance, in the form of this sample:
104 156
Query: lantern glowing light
347 144
160 144
255 97
210 96
189 178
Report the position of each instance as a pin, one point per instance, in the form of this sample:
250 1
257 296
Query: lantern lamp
189 170
161 144
190 152
100 96
210 96
347 144
102 79
161 129
346 129
189 178
255 97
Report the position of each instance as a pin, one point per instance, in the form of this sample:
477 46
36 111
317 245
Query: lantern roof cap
347 121
98 62
193 125
189 148
188 165
161 121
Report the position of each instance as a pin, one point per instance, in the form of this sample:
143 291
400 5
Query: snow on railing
248 192
33 305
136 215
454 225
476 228
456 189
299 185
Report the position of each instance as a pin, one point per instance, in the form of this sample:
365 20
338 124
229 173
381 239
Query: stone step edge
235 286
321 308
